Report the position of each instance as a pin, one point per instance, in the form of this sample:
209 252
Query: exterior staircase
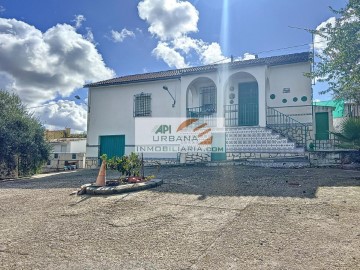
258 139
259 146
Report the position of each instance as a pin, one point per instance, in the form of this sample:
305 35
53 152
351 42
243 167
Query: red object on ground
134 179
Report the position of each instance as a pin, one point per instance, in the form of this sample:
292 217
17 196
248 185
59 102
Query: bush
350 133
126 165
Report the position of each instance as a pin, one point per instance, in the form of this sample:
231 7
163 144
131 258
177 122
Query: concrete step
283 162
257 139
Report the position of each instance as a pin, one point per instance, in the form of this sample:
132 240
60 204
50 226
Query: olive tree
339 63
22 137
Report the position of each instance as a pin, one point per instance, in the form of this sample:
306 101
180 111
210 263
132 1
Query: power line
45 105
284 48
273 50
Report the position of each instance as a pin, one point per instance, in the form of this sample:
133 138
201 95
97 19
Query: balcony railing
206 113
205 110
287 126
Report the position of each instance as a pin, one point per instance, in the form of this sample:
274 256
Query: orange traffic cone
100 180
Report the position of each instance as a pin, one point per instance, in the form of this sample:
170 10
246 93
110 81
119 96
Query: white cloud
89 35
61 114
248 56
43 66
186 44
169 19
79 19
211 53
186 47
320 42
170 56
120 36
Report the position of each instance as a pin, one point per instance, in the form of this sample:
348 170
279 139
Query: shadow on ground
215 181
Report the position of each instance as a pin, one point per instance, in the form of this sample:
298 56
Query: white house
66 153
266 104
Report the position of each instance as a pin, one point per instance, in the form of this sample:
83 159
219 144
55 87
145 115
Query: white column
220 92
262 101
183 96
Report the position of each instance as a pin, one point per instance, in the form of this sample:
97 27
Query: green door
218 143
112 145
322 126
248 104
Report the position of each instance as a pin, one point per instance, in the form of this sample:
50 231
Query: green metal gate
248 104
322 126
112 145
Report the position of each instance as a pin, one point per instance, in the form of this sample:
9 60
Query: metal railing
208 109
287 126
352 110
231 115
331 143
206 114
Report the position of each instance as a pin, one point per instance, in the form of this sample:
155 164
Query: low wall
191 158
91 163
261 155
331 158
160 161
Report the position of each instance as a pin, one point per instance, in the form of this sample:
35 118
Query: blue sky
119 37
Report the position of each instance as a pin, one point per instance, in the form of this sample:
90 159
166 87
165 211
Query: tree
22 136
339 63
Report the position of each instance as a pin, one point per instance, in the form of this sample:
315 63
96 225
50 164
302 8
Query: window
56 155
73 156
208 98
286 90
142 105
48 162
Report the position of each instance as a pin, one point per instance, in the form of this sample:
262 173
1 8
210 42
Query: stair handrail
290 121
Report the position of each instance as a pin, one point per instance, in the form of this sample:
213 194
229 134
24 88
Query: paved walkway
200 218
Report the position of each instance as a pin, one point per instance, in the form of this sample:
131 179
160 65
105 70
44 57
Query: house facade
67 153
265 104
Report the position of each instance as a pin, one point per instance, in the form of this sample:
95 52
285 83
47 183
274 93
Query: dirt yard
200 218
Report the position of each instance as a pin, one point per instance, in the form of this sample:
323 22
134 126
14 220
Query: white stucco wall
111 107
111 110
78 146
56 147
291 77
69 146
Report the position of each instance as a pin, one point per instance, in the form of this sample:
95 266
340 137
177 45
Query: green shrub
349 134
127 165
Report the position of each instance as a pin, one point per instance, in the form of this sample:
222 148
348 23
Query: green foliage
339 64
21 136
350 133
126 165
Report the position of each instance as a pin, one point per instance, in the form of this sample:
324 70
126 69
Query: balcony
206 113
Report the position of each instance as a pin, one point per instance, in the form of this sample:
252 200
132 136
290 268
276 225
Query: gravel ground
200 218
